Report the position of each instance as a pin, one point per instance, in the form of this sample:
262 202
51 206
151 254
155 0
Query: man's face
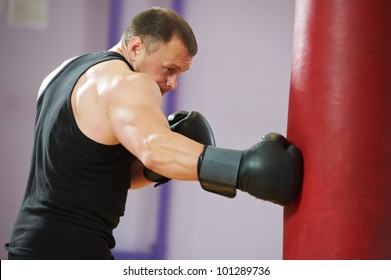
165 64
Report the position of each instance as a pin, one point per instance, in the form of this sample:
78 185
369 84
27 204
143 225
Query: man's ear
135 47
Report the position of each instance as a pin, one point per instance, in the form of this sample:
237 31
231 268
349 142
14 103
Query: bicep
141 127
135 114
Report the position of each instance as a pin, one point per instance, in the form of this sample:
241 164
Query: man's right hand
271 170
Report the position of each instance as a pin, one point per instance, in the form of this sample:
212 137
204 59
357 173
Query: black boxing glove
192 125
271 170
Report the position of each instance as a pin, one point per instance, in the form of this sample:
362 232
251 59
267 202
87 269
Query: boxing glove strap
218 170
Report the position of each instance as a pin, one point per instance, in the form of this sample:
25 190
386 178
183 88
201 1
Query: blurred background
239 80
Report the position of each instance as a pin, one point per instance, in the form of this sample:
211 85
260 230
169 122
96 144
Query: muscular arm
134 110
138 180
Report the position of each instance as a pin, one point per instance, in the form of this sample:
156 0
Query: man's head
161 44
158 25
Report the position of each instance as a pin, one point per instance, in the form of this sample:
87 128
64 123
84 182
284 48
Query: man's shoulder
138 81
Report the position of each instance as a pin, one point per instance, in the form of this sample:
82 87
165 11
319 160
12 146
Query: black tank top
77 188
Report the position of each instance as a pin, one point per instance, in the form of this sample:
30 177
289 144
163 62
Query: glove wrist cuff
218 170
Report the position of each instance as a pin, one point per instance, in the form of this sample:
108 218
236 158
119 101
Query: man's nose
172 81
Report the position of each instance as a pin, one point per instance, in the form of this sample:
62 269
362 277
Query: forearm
172 155
166 164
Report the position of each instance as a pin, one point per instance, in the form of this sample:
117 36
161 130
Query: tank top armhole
107 55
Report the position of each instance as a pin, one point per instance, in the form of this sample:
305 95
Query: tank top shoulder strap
112 54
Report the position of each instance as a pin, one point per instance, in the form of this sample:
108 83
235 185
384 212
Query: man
100 131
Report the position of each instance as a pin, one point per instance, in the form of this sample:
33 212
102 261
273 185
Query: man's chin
163 92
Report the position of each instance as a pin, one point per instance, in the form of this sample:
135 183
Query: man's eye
170 70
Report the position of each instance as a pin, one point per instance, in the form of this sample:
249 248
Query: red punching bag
340 117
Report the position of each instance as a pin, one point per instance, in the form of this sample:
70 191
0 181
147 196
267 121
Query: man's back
77 187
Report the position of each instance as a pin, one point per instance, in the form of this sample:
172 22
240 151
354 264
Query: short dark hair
159 25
